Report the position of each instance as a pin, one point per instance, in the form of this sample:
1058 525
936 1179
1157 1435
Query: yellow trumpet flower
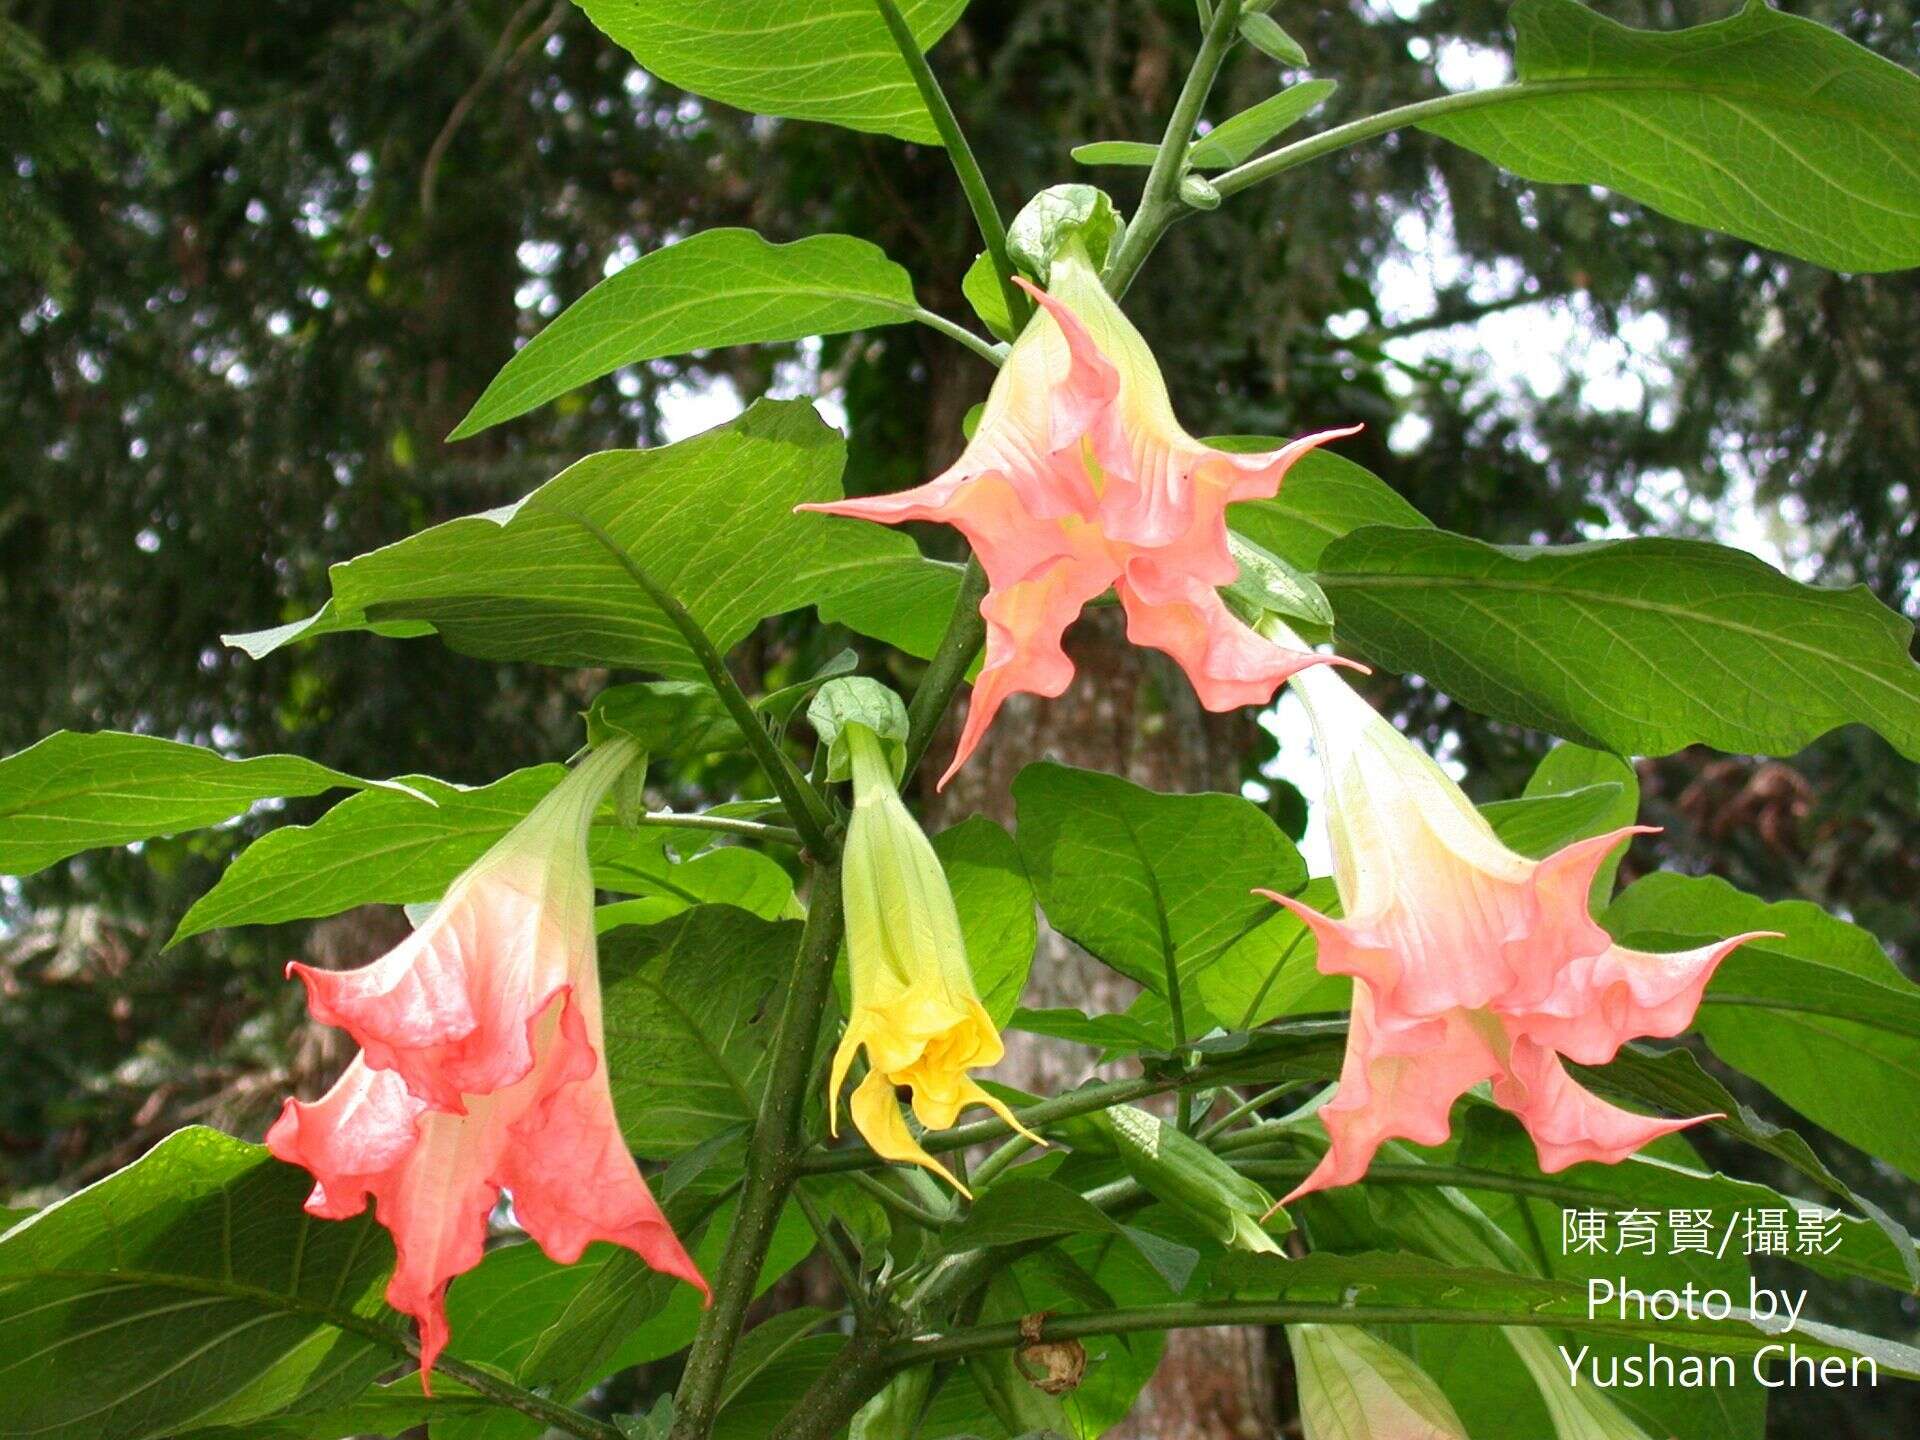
915 1009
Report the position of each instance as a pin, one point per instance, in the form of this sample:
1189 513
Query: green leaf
72 792
829 60
1641 647
720 287
386 847
1672 1080
1570 768
1263 32
1665 1179
1323 497
520 1313
903 599
1113 152
1235 140
1767 126
188 1290
754 1410
710 518
1821 1016
690 1004
981 286
1027 1206
1360 1284
1149 882
995 900
1538 825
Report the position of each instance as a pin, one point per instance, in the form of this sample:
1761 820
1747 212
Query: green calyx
1059 216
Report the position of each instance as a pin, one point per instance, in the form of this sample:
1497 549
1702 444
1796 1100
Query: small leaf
1263 32
995 900
1232 141
72 792
858 700
981 286
720 287
1117 152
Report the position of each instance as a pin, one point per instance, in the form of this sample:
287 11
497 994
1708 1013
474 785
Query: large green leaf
518 1311
1373 1285
1769 127
720 287
1636 646
1323 497
710 519
72 792
690 1004
995 901
1150 882
829 60
388 847
189 1290
1820 1016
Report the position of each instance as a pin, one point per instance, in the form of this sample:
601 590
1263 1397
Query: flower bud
1185 1174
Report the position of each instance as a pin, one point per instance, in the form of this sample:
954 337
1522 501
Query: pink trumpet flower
1079 478
1470 963
481 1069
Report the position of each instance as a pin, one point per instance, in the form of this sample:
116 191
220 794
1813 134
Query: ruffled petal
876 1114
1398 1081
1599 1002
1568 1122
449 1008
1228 665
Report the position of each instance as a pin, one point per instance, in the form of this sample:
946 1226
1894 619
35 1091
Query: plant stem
985 349
771 1161
723 824
1160 202
854 1377
844 1269
803 804
979 197
965 632
1191 1316
504 1392
901 1205
1287 157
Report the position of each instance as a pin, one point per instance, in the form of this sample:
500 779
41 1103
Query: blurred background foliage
256 259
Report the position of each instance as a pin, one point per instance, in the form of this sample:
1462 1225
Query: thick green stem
1160 203
979 197
772 1158
961 1343
1288 157
965 632
803 804
854 1377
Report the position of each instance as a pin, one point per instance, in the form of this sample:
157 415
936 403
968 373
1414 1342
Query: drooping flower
1470 963
1079 478
1356 1387
915 1009
481 1069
